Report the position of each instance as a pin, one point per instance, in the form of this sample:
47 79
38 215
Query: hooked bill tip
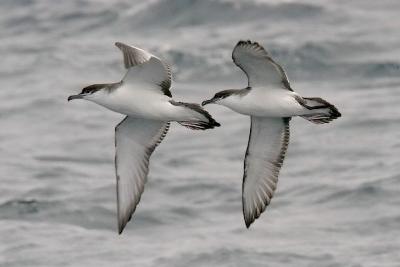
205 102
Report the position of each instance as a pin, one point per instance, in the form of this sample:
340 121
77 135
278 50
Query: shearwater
271 102
144 96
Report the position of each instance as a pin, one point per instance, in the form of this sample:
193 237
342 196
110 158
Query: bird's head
89 92
218 97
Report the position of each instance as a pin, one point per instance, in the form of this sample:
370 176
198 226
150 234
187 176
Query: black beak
72 97
212 100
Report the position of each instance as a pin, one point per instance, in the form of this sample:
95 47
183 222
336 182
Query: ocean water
338 197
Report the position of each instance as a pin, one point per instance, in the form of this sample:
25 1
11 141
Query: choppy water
337 202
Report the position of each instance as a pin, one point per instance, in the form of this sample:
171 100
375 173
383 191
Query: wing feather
268 142
144 67
258 65
135 141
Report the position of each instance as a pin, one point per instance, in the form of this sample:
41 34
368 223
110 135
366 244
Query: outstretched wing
261 70
135 141
145 69
268 141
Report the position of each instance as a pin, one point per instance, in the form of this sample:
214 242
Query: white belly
139 103
265 103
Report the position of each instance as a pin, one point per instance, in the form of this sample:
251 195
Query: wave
19 207
236 256
315 61
210 29
367 193
177 13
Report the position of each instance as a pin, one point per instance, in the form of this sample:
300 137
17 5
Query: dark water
337 202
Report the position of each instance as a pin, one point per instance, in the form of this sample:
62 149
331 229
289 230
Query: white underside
135 140
141 101
265 102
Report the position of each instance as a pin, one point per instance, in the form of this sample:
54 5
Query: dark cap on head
220 95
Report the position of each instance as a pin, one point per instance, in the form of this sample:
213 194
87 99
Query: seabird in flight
144 96
270 102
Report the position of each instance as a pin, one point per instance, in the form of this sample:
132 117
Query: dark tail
320 111
198 119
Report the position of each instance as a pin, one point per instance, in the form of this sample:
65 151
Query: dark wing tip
121 226
119 44
248 222
251 44
122 223
243 42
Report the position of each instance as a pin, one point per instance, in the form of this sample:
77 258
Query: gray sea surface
338 197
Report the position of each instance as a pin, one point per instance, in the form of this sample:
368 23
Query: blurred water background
337 202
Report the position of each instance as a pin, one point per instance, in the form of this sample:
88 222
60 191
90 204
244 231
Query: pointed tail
320 111
198 118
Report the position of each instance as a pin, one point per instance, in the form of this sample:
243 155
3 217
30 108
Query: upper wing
135 140
268 141
144 67
259 67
